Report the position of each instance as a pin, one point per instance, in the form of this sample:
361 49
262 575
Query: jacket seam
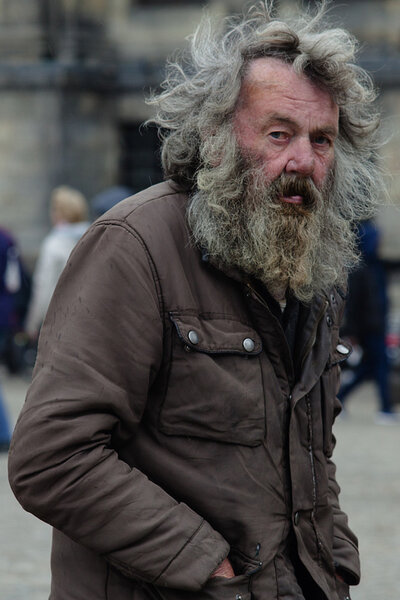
276 579
124 567
314 477
208 316
264 395
168 375
142 203
148 201
179 551
153 269
107 581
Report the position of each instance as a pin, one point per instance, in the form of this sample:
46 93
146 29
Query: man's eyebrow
277 118
330 131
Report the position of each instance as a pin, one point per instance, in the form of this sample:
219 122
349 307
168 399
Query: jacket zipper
258 296
287 484
263 303
313 473
306 352
310 448
313 336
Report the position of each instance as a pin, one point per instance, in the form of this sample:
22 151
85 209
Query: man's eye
278 135
322 140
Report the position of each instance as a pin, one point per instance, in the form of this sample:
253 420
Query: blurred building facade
73 74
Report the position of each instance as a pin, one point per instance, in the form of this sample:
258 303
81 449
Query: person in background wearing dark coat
10 285
366 322
106 199
177 434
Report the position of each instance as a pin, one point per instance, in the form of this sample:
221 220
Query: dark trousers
374 365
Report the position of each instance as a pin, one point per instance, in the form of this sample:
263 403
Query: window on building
139 165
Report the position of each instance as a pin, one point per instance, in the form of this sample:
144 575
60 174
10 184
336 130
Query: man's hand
224 570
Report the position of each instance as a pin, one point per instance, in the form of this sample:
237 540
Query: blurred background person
69 216
106 199
366 323
5 431
11 284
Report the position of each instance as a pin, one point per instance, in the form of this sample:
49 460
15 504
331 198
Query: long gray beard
306 249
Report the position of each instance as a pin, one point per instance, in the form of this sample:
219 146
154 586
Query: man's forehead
267 70
273 74
271 78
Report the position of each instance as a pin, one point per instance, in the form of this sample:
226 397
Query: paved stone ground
24 540
368 461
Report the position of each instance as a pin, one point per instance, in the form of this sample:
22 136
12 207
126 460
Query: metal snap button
248 344
329 321
342 349
296 518
193 337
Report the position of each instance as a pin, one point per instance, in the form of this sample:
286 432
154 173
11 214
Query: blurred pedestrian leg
373 366
365 323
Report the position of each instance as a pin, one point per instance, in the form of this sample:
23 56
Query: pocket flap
216 335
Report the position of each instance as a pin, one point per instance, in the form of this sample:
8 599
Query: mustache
293 185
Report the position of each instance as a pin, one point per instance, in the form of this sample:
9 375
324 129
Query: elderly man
178 430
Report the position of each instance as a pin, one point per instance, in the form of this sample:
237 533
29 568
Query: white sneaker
387 418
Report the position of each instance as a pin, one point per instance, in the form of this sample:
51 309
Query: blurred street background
73 77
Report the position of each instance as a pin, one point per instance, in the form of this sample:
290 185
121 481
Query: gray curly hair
201 90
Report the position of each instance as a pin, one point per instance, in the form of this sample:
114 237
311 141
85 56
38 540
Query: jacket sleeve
345 543
100 349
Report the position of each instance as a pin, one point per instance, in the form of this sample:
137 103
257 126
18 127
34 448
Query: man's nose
301 159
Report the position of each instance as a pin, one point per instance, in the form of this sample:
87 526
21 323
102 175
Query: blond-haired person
69 217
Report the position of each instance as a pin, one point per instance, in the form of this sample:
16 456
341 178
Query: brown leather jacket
164 428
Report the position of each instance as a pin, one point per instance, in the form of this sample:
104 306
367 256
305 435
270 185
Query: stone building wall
72 81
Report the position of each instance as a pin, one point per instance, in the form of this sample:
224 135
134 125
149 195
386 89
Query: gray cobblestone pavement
368 461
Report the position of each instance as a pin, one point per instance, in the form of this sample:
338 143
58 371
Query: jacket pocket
215 388
218 588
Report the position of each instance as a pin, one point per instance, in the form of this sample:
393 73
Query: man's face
286 124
